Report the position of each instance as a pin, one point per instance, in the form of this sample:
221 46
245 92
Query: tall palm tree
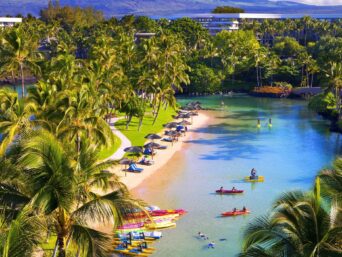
334 75
299 225
14 117
19 53
69 189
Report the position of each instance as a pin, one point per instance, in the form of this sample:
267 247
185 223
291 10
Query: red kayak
234 213
229 191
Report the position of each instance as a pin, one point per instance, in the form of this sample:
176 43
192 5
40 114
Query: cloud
315 2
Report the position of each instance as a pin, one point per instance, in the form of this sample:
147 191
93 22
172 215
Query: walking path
124 141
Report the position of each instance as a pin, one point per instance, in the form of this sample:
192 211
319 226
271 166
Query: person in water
211 244
258 123
270 122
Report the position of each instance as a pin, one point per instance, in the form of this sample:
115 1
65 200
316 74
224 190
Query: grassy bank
137 137
111 149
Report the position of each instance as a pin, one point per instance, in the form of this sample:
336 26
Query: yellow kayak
258 179
127 252
164 224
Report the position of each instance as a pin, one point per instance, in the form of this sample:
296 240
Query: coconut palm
69 189
19 53
299 225
14 116
334 75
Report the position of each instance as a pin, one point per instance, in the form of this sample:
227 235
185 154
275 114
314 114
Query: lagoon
289 155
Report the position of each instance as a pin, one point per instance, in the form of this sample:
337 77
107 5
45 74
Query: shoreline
133 180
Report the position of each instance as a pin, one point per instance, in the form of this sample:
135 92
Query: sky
315 2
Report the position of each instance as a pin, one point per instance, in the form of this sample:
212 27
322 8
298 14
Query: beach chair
133 167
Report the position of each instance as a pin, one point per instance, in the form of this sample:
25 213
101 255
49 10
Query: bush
323 104
227 9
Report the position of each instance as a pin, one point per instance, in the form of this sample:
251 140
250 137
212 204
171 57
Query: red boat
234 213
166 212
235 191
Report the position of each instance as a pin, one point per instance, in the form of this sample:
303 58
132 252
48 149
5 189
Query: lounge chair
148 151
146 162
133 167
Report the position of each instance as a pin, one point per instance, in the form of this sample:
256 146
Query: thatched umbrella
133 149
171 125
152 145
153 136
125 162
184 123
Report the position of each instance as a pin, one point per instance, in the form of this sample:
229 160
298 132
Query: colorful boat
234 213
131 226
160 225
178 211
235 191
256 179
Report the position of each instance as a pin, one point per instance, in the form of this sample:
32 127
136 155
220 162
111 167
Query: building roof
258 16
10 19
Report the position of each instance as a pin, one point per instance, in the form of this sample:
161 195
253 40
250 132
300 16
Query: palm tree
334 75
14 117
299 225
64 187
18 53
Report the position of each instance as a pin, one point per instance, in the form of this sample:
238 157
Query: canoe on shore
234 213
229 191
257 179
160 225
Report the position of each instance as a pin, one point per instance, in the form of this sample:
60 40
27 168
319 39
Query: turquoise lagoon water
221 153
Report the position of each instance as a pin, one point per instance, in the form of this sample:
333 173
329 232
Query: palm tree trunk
140 123
157 113
61 246
22 80
55 249
257 75
129 119
312 78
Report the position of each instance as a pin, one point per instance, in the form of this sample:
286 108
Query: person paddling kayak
253 174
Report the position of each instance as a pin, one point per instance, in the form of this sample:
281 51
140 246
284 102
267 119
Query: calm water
221 154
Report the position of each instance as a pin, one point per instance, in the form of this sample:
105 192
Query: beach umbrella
152 145
133 149
184 123
153 136
125 161
171 125
184 116
193 113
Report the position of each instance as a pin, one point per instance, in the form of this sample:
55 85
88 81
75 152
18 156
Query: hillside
160 8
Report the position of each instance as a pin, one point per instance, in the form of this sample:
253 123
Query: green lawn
111 149
137 137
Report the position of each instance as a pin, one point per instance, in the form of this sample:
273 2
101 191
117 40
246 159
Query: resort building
9 21
230 21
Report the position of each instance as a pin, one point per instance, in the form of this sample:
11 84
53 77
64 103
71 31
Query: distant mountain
164 8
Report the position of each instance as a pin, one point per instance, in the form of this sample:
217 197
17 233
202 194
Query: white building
9 21
215 22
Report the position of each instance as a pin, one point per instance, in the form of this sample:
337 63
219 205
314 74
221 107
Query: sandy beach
162 157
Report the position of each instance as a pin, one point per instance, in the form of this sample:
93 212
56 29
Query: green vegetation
112 147
55 137
228 9
301 223
137 137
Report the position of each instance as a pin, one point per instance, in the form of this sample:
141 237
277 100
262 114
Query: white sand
132 180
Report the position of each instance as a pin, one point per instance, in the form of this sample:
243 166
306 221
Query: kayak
257 179
229 191
160 225
176 211
131 226
234 213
